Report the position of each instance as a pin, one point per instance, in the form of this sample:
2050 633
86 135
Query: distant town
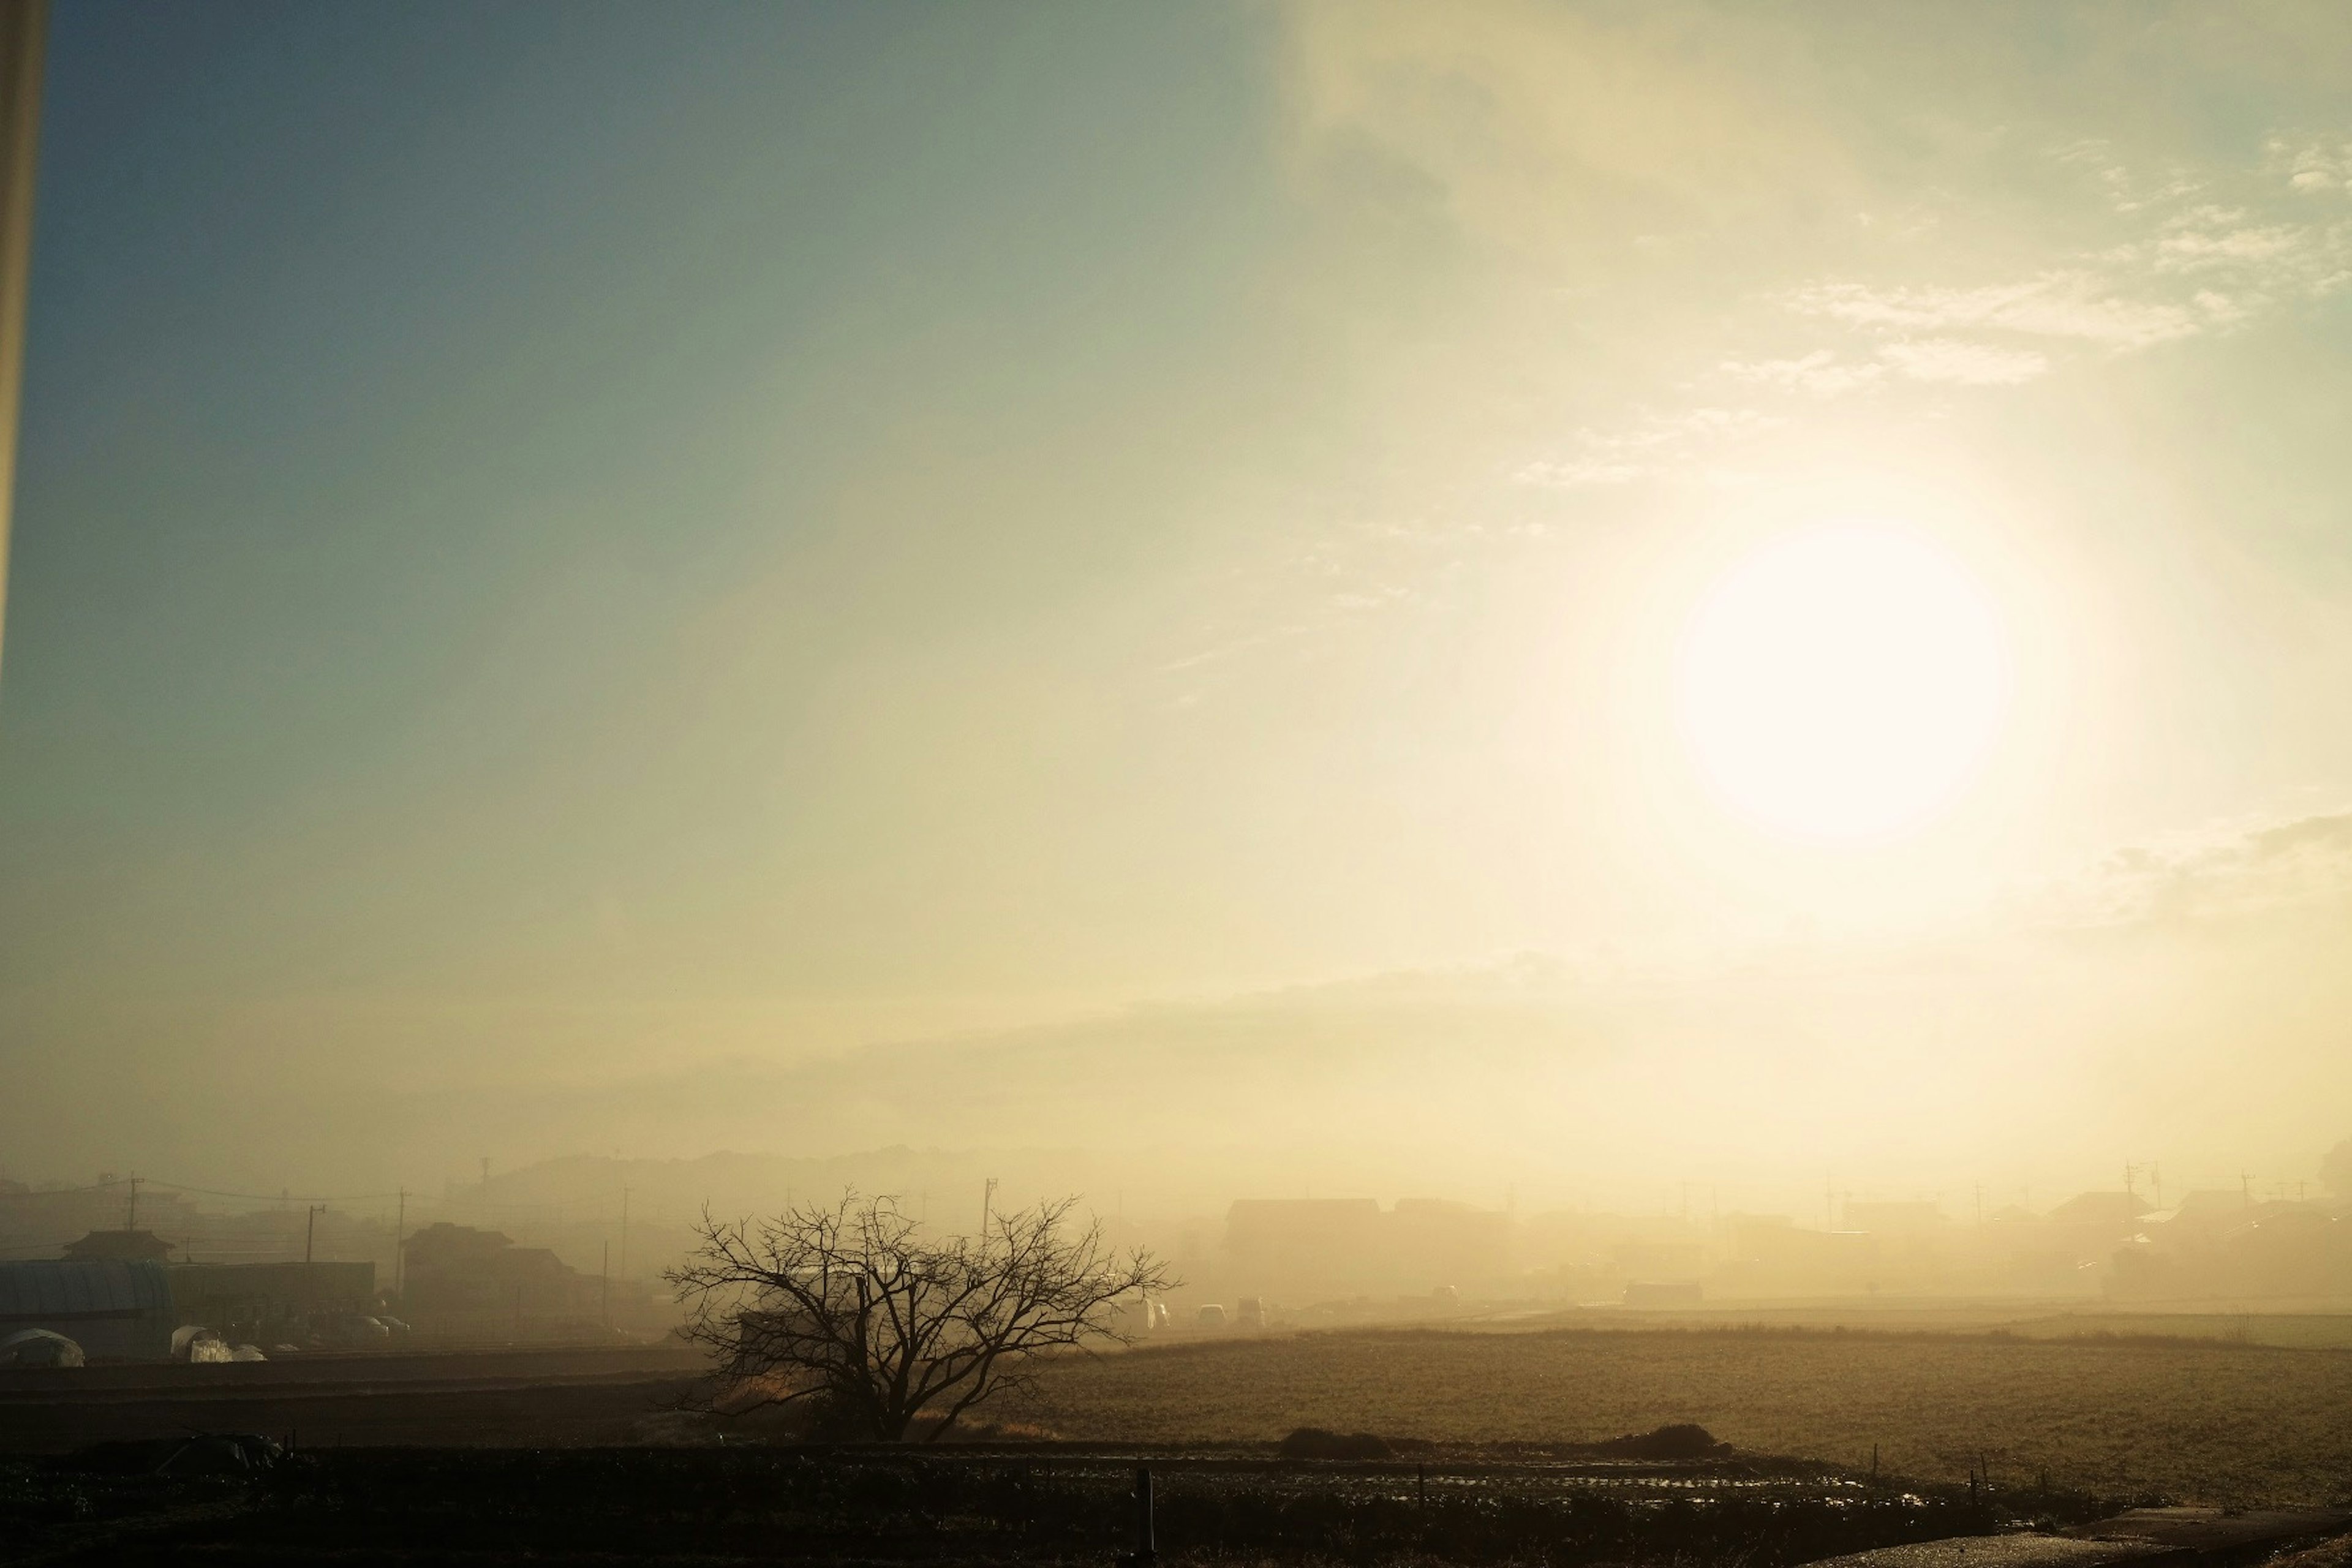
123 1267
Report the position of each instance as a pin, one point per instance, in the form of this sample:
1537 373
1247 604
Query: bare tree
852 1308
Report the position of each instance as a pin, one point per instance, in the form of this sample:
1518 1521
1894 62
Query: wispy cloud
2239 871
2186 270
1821 373
2184 265
2127 190
1655 445
2069 303
1963 364
2318 166
2214 237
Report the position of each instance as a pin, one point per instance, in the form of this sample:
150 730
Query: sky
586 576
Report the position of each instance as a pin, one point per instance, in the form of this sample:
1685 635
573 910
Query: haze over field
1542 599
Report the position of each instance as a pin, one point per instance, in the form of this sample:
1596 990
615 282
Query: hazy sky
558 542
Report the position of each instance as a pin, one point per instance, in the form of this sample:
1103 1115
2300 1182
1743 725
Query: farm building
127 1245
115 1309
265 1301
1303 1246
1896 1219
1310 1246
462 1279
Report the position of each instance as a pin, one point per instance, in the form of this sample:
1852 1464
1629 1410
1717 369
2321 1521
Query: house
268 1302
1901 1219
1304 1246
2116 1212
463 1277
1325 1247
124 1246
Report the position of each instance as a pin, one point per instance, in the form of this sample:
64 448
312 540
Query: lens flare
1844 684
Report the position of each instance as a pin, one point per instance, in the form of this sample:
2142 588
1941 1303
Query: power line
271 1197
154 1183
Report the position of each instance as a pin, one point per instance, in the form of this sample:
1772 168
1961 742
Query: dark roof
123 1244
57 1290
2100 1209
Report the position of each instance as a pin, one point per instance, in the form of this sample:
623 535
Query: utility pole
309 1231
24 27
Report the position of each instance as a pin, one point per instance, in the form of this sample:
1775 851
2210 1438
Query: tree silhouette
851 1309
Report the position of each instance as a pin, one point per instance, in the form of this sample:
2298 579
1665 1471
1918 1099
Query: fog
2177 1011
1666 625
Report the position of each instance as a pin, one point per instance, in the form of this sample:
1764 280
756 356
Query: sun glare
1844 684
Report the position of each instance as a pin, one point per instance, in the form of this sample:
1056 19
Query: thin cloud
1821 373
1657 446
1964 364
2074 304
2180 272
2315 168
2128 296
2299 862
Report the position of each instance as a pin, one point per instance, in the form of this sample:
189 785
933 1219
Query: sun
1844 684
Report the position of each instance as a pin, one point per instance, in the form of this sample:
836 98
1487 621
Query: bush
1316 1443
1683 1440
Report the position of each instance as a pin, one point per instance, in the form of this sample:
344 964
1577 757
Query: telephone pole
311 1231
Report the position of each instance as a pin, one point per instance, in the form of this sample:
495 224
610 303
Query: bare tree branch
852 1308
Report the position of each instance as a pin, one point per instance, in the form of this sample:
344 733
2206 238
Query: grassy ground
2212 1422
2297 1330
2335 1554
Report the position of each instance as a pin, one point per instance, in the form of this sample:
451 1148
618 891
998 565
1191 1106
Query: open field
522 1398
2327 1326
2194 1420
2210 1422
